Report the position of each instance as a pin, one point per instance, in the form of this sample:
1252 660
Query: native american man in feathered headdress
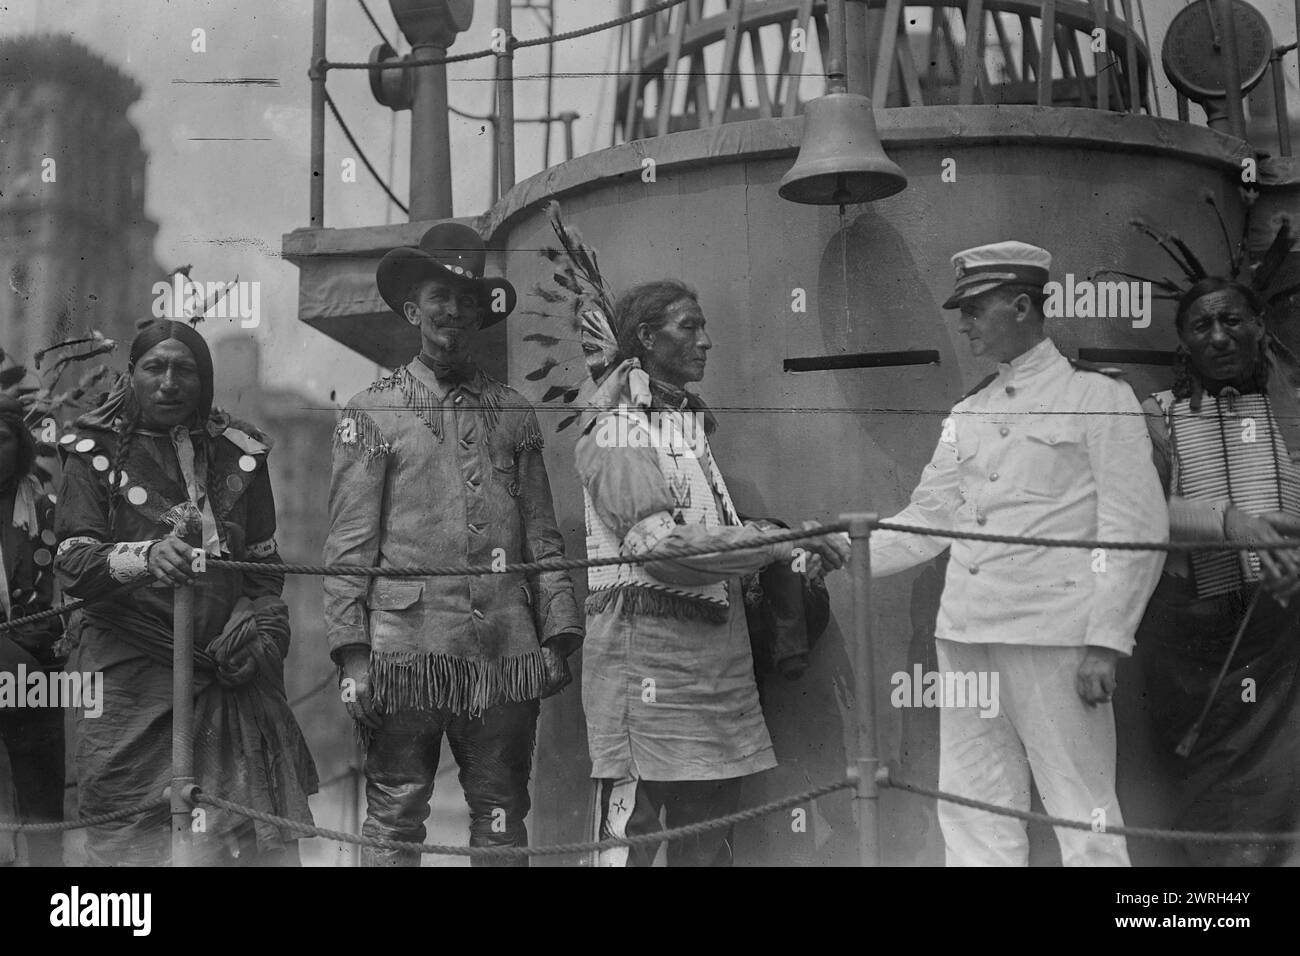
1220 641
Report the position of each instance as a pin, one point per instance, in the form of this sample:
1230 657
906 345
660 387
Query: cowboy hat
452 252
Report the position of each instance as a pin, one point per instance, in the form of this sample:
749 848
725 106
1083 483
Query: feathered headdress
578 274
1280 372
1259 276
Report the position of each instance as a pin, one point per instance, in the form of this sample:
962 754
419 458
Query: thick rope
69 606
574 564
561 849
511 43
1087 543
1142 833
528 567
101 818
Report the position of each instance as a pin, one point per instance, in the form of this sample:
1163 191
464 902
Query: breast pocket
505 466
1052 458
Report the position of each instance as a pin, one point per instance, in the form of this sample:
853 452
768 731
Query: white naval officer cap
998 263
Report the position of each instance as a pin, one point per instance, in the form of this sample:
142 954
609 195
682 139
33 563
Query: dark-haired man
1045 448
439 463
673 717
31 738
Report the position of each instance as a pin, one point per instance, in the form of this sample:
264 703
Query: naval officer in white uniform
1049 449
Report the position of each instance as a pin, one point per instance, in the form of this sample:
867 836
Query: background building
76 245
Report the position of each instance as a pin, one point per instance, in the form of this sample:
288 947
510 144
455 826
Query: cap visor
970 292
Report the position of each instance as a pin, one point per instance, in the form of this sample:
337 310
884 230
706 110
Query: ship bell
841 159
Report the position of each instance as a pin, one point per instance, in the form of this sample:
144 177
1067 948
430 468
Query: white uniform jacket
1044 450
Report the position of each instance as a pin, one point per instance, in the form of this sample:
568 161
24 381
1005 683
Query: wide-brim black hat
454 253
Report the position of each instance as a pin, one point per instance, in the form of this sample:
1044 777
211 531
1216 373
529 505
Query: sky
224 205
228 164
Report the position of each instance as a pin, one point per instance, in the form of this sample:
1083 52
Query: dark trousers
685 802
494 752
34 740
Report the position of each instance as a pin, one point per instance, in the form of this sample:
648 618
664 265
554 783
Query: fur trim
430 681
656 603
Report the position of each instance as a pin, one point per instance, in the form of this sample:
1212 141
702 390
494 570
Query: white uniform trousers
1041 726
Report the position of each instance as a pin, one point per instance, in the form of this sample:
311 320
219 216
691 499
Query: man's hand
1281 569
558 676
1095 679
834 550
357 696
169 561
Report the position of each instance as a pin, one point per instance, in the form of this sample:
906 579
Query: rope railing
859 525
575 564
883 778
8 826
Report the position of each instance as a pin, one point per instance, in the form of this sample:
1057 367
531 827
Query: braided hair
125 430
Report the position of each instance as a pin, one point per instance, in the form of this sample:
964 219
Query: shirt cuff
129 560
1115 641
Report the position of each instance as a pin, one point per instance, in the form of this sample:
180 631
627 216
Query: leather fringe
493 396
423 402
431 681
367 442
531 438
655 603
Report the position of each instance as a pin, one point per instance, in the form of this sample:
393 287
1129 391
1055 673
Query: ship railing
701 63
709 62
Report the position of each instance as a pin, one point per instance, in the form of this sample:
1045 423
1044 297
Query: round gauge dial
1193 49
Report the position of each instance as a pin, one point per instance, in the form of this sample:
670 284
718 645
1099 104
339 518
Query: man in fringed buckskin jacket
439 464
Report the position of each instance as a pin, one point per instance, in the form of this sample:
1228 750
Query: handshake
814 557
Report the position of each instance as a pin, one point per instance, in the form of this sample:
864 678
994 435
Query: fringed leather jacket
427 475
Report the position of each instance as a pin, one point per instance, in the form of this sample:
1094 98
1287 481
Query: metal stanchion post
182 722
862 772
505 84
317 76
1231 68
1279 101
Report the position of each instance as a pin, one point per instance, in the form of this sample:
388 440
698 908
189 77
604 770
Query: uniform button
479 615
981 519
993 477
1004 431
1011 390
974 569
